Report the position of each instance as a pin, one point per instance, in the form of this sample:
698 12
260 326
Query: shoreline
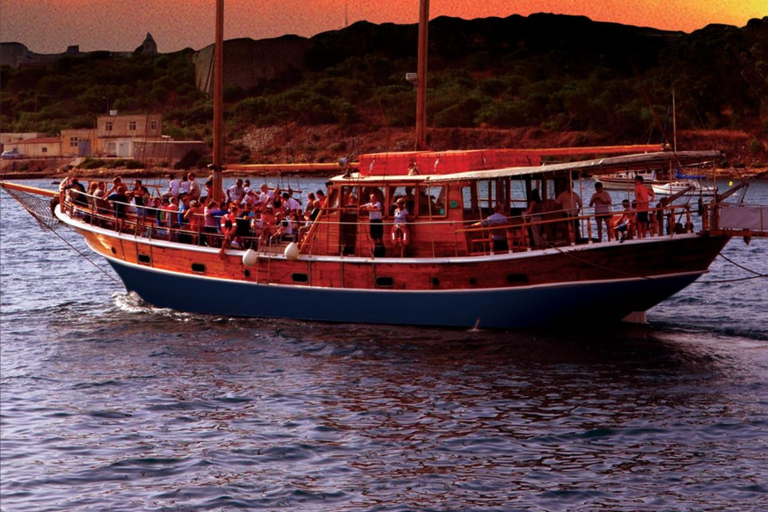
757 173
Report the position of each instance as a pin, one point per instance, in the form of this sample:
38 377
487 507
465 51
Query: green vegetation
552 72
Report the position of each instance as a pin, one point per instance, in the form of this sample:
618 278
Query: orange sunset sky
49 26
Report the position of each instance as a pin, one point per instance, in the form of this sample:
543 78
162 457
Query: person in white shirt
235 193
173 186
290 205
266 197
184 187
194 186
374 217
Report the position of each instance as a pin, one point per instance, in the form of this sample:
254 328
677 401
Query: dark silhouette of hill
555 77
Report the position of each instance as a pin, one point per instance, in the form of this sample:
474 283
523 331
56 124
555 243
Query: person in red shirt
642 195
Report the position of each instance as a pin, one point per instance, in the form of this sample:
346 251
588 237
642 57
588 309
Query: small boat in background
692 187
626 180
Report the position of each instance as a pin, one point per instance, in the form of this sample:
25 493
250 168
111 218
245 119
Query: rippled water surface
109 404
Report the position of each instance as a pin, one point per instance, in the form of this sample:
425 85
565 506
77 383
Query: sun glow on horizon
49 26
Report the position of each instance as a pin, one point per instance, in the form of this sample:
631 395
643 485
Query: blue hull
519 307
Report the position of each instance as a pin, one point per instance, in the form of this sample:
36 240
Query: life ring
228 225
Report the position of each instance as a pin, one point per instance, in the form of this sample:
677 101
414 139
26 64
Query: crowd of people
185 213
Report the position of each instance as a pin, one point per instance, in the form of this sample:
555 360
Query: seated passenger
624 223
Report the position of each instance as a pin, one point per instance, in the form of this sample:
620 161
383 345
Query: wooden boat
453 268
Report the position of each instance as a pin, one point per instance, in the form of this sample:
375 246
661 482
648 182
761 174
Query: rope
757 275
40 209
86 257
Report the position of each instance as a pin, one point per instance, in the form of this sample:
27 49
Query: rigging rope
41 209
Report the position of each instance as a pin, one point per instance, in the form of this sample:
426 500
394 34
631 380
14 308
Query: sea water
110 404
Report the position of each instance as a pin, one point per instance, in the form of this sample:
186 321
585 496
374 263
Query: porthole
114 251
435 282
144 258
300 278
198 267
472 281
247 273
385 282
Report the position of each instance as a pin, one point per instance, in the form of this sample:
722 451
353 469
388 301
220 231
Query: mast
218 103
674 124
421 77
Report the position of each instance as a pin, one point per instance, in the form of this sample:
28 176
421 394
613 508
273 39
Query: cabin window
299 278
431 201
144 258
198 267
469 198
349 198
384 282
403 192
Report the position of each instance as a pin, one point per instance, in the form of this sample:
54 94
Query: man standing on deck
570 202
642 194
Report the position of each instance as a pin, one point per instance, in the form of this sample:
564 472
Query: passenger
401 236
160 220
290 205
247 187
310 204
498 235
251 198
184 186
266 197
310 218
269 222
534 211
184 201
76 193
141 197
643 195
601 200
243 222
119 202
170 213
625 222
229 229
195 215
194 186
235 193
570 202
174 186
116 182
287 228
321 197
257 226
101 205
374 218
209 188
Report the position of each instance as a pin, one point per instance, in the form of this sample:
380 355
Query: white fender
250 258
292 251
